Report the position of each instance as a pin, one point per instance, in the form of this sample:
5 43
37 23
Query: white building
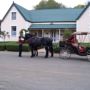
47 22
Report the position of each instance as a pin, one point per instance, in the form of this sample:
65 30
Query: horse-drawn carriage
67 47
73 46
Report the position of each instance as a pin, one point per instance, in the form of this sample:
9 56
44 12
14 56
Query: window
13 16
13 30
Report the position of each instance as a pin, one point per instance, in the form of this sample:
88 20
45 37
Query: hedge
2 47
13 46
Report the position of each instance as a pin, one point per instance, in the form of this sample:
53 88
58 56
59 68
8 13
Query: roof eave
83 10
49 28
51 21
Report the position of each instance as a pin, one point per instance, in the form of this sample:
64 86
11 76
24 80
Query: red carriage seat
74 42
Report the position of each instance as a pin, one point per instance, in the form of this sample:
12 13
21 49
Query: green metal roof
24 12
49 15
50 26
55 15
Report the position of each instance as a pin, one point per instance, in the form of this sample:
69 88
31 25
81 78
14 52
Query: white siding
83 24
20 23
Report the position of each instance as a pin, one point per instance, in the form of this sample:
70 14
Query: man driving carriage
74 42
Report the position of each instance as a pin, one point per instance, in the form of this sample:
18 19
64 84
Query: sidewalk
41 50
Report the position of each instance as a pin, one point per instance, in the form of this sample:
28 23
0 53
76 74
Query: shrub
15 47
2 47
12 46
56 47
67 33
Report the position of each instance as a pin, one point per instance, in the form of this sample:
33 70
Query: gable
24 12
83 22
20 9
84 10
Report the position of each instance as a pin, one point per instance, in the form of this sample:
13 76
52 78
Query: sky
30 4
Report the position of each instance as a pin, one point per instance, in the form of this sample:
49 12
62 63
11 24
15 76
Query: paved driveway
38 73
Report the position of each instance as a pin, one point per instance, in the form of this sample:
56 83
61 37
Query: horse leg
51 50
32 52
36 52
46 48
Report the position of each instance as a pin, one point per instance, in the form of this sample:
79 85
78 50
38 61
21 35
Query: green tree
53 4
41 5
4 35
50 4
67 33
80 6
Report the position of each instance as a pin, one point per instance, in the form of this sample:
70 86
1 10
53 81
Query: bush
15 47
12 46
67 33
85 44
2 47
56 47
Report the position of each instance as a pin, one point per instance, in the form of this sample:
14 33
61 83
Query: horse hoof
32 56
46 56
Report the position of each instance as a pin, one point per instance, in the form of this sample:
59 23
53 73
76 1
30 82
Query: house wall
83 24
20 23
0 25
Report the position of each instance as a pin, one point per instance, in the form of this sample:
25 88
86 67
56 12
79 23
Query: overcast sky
29 4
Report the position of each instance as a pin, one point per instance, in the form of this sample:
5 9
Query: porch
55 31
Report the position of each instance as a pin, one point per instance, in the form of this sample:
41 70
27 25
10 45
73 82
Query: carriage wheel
88 57
65 53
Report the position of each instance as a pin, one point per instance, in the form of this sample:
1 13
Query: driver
74 42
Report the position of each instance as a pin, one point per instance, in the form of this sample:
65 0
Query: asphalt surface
38 73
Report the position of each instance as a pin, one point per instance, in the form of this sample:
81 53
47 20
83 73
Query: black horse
36 42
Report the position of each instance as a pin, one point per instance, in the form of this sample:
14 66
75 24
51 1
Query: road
38 73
